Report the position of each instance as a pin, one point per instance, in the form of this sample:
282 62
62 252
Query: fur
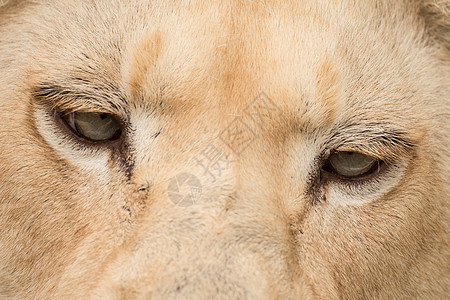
298 80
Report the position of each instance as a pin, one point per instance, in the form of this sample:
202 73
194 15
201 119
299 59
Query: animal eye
351 164
94 126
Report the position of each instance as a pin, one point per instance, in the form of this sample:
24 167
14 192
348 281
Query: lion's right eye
95 127
351 164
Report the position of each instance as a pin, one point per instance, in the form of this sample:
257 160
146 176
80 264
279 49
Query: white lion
224 149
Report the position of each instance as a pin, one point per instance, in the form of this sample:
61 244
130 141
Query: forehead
318 60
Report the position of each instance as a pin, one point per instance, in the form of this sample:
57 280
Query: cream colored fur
79 221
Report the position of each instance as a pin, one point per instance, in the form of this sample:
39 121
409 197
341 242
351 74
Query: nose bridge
210 226
213 208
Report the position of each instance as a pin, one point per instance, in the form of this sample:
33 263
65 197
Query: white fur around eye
304 169
76 154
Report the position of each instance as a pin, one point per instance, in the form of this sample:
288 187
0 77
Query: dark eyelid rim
67 130
63 122
367 175
378 170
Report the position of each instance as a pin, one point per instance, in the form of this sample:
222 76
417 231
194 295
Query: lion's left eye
351 164
94 126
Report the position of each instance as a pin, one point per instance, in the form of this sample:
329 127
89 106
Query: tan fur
298 78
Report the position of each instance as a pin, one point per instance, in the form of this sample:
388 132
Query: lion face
292 150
